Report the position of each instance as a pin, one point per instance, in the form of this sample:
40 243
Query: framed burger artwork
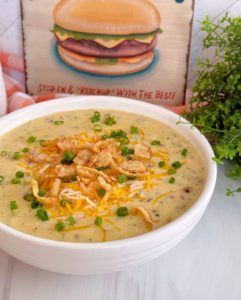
128 48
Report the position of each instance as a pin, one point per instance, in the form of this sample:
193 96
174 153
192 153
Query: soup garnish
116 177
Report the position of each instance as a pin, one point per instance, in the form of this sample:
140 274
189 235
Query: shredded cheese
76 228
80 196
75 195
155 200
104 235
44 169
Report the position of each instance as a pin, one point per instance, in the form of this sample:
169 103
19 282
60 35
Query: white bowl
95 258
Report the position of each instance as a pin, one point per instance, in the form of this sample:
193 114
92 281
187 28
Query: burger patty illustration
109 37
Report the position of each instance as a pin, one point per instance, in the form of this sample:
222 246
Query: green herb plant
215 106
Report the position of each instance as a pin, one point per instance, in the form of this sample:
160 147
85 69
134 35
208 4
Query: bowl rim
204 197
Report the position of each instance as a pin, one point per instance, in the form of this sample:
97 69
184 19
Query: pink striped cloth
12 91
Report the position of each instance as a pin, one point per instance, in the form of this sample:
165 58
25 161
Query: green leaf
107 37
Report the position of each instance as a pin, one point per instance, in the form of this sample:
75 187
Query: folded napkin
12 91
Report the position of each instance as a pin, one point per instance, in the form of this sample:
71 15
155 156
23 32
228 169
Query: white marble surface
205 266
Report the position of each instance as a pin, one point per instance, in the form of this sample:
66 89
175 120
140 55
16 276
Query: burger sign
133 48
107 37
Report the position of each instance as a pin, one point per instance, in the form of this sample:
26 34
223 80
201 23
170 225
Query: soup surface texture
86 176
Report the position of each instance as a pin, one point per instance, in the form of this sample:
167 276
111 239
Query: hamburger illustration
109 37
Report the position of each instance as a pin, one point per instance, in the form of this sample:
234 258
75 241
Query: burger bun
120 68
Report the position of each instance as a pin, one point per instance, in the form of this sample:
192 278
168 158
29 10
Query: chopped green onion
4 153
117 134
96 117
66 179
124 141
25 150
122 211
129 157
184 152
97 128
58 122
126 151
102 168
134 130
105 137
1 179
98 221
121 178
73 177
161 164
16 180
41 143
31 139
71 220
19 174
171 171
68 157
36 204
132 177
155 142
16 155
63 202
59 226
13 205
177 165
109 121
101 192
172 180
41 193
29 197
42 214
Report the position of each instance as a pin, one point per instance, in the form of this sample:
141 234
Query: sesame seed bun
120 68
116 17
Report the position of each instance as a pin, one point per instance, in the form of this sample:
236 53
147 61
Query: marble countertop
205 266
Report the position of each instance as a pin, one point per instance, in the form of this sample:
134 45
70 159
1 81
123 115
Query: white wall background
214 9
10 26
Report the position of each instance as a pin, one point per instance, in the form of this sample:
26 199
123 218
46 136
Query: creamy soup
87 176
